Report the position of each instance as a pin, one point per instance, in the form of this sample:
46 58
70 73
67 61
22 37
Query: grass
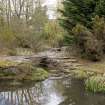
24 51
96 84
98 67
17 51
81 73
5 63
31 73
37 74
23 71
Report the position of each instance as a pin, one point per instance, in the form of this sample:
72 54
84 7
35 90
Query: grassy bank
96 83
21 72
94 76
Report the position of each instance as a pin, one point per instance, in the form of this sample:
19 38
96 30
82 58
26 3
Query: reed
95 84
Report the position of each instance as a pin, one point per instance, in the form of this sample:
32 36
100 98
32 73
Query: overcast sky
51 4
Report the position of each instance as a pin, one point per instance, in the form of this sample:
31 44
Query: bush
91 42
54 34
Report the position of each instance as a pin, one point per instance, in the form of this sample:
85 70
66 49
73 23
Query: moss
80 74
25 67
4 68
96 83
22 71
37 74
7 74
31 73
6 63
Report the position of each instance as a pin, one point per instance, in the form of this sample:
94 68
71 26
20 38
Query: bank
17 73
54 64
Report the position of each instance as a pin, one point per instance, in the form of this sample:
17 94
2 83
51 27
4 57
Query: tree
54 33
39 18
22 23
91 42
81 11
37 22
89 34
100 8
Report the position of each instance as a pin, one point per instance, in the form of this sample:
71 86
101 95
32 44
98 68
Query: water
51 92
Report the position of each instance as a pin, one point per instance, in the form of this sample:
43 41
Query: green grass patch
80 74
6 63
37 74
23 71
96 84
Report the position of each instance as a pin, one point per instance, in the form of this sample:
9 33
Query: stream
53 91
64 91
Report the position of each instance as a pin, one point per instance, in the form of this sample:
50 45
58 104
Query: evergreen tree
84 20
100 8
81 11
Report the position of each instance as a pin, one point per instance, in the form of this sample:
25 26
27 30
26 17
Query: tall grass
95 84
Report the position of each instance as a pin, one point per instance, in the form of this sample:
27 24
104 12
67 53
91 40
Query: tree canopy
81 11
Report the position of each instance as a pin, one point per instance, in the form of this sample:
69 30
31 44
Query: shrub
54 34
91 42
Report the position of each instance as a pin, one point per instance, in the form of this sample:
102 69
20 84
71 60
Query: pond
51 92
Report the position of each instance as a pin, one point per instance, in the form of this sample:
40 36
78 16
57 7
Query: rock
12 70
49 63
104 75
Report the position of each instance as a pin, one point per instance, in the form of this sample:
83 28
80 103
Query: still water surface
51 92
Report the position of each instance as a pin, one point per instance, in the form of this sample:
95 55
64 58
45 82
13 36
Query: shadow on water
51 92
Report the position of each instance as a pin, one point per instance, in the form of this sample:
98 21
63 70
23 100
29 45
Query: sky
51 2
51 5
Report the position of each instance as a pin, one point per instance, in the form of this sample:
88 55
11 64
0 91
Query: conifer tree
81 11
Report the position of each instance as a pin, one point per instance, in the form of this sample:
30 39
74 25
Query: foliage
81 11
25 71
68 39
6 64
28 35
37 74
6 37
24 25
53 33
80 74
90 42
100 10
96 84
23 51
24 28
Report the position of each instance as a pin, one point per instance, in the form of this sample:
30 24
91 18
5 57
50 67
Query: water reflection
52 92
40 94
